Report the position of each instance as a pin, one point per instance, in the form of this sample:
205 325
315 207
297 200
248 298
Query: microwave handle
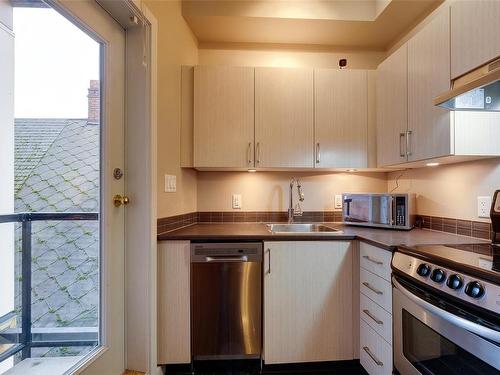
479 330
347 202
391 211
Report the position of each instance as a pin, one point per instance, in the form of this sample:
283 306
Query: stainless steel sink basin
302 228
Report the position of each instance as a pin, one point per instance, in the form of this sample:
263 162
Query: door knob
118 200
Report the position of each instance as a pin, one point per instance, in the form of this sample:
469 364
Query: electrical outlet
338 201
483 206
170 183
236 201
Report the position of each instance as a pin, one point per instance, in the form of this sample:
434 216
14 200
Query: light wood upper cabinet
283 118
475 34
308 301
174 313
392 108
429 76
341 118
223 116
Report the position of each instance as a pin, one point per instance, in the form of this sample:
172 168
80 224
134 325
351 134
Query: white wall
269 191
450 190
6 164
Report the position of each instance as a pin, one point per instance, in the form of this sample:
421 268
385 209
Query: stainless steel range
446 308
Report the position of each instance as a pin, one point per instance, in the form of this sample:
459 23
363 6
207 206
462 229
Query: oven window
430 353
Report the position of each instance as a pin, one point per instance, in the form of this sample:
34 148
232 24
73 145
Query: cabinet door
429 76
284 118
392 108
224 116
475 34
174 319
308 301
341 118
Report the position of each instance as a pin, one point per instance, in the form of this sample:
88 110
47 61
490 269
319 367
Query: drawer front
376 260
375 354
376 288
376 317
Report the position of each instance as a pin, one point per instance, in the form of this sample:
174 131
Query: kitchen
250 187
286 138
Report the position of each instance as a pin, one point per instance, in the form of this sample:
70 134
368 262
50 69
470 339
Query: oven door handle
479 330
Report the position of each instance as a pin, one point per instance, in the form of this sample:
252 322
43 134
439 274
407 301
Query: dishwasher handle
226 259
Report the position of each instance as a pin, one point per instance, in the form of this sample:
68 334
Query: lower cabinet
375 310
308 301
174 313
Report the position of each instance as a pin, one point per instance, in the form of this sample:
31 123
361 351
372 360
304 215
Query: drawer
376 317
375 354
375 260
376 288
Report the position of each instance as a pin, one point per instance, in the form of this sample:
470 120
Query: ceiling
354 24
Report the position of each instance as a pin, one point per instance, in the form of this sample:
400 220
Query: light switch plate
338 201
170 183
483 206
236 201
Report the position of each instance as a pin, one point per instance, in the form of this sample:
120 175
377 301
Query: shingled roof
57 170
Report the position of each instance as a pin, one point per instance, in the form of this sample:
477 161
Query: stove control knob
438 275
455 282
423 270
474 289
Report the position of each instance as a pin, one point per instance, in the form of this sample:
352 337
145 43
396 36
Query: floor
253 368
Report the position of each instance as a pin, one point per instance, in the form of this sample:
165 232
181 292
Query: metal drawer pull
372 288
367 257
373 317
249 153
318 153
401 153
408 143
269 259
372 356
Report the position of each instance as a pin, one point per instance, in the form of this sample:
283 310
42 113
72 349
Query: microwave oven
395 211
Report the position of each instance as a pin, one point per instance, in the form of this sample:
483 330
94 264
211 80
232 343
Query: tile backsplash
442 224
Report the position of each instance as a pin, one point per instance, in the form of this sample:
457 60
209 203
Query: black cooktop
480 260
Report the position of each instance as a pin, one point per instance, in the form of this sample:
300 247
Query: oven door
432 340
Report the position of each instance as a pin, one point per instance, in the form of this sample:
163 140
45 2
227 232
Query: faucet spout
297 211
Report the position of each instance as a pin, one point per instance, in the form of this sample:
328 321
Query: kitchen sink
302 228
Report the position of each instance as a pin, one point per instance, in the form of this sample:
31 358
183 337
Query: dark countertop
384 238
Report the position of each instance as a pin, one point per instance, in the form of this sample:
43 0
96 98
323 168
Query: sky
54 63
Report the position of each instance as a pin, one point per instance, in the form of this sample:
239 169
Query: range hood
478 90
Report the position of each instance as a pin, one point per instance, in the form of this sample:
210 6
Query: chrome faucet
297 211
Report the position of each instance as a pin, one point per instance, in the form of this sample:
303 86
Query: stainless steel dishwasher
226 300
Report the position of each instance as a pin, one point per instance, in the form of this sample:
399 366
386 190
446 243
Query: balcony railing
24 339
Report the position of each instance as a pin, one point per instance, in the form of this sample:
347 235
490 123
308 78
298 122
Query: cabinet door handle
372 356
318 153
249 153
374 290
408 142
269 261
373 317
367 257
257 151
401 136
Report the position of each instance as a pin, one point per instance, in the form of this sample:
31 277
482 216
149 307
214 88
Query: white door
106 132
90 16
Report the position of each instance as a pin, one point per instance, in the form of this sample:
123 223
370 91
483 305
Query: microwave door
381 209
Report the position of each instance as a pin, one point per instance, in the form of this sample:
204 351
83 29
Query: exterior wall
177 46
450 190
